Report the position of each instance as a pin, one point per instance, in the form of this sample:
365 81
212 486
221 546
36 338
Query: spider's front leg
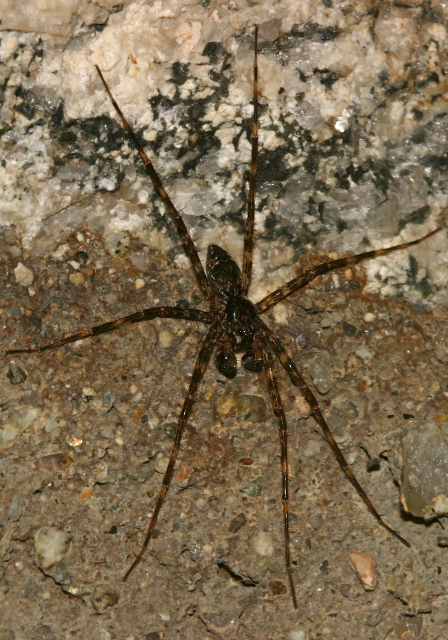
308 276
202 361
107 327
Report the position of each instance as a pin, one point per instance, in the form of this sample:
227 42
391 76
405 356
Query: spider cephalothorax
235 326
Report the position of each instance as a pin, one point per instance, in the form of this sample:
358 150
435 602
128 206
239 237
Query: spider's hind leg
283 433
309 396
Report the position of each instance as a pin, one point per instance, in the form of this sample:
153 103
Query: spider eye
226 362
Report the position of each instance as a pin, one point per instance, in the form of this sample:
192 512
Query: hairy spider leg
190 249
107 327
283 433
298 381
198 373
249 233
297 283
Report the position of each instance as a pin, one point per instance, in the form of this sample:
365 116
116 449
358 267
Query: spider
235 325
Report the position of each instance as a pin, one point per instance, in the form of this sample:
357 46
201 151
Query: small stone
43 632
103 596
14 509
237 523
227 402
363 353
165 339
143 472
88 393
263 544
118 243
139 283
387 345
51 545
296 635
77 278
424 491
170 429
277 588
349 329
24 276
161 464
17 423
321 377
16 374
254 488
302 407
253 408
364 567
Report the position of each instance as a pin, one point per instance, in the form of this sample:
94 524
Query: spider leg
138 316
181 228
198 373
297 283
299 381
283 433
249 233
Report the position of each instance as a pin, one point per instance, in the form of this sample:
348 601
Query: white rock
51 545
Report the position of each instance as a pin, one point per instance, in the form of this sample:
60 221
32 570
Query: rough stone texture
353 131
425 470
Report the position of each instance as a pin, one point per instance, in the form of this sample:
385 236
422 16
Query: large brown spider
235 325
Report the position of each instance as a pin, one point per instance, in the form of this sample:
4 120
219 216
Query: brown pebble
364 567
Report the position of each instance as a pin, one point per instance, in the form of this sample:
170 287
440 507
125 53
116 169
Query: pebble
424 491
237 523
254 488
263 544
321 377
77 278
51 545
227 402
296 635
364 567
103 596
118 243
253 408
24 276
165 339
16 374
363 353
17 423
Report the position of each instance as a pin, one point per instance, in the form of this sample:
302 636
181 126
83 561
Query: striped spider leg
235 326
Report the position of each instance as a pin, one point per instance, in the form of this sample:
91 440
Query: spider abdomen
240 324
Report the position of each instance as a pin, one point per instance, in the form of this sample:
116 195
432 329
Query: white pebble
296 635
51 545
263 544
